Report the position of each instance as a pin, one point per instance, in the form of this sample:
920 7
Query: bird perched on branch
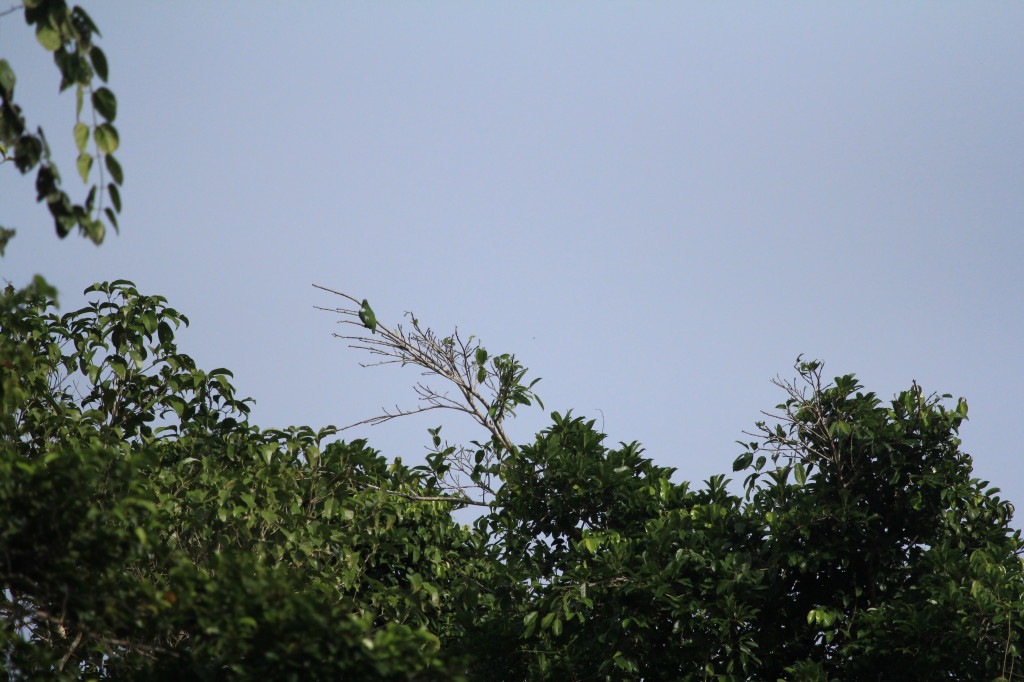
367 317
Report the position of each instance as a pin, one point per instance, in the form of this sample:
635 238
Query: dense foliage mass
148 531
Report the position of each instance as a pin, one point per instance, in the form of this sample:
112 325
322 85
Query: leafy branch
68 33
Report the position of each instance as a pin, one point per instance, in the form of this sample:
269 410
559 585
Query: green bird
367 317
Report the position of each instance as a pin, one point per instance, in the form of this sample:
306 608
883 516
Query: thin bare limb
429 498
387 416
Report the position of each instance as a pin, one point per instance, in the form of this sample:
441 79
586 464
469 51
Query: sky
656 206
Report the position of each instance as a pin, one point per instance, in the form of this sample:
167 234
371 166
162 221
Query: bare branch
428 498
70 651
148 650
487 388
388 416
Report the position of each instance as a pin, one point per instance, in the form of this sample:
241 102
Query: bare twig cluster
812 427
800 417
807 432
486 388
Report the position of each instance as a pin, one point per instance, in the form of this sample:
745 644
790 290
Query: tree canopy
149 530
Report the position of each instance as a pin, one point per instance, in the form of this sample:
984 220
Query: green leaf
79 99
164 332
176 404
99 62
81 133
84 166
106 138
111 217
800 473
743 461
105 103
96 231
545 622
48 37
27 153
624 663
5 236
119 366
7 80
529 623
481 356
435 594
961 407
115 169
115 195
838 429
80 15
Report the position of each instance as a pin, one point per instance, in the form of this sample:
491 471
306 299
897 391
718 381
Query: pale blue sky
656 205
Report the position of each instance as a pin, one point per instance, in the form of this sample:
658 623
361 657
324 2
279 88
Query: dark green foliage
888 547
864 551
148 531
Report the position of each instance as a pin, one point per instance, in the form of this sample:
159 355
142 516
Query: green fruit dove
367 317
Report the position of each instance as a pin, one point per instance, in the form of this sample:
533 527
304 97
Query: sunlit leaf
48 37
106 138
81 133
84 165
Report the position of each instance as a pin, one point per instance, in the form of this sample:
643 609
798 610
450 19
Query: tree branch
430 498
491 387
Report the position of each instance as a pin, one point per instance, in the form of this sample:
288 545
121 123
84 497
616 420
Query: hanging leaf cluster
69 34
